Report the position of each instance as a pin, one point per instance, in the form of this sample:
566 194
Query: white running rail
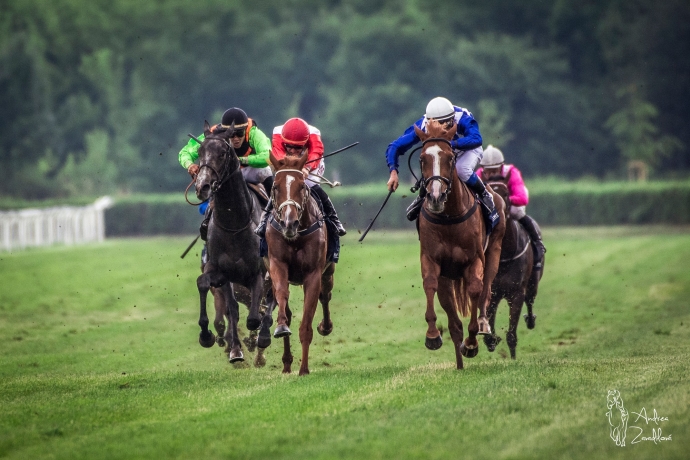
44 227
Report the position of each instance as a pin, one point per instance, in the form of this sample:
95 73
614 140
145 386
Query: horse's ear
275 162
420 134
207 128
302 160
451 132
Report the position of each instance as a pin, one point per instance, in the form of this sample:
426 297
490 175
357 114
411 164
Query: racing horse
459 261
516 280
233 248
297 246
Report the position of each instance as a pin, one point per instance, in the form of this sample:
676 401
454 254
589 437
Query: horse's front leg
232 336
287 354
430 273
515 301
312 289
448 296
203 283
473 281
491 341
325 327
257 290
281 291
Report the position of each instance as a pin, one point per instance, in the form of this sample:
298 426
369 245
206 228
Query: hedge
552 202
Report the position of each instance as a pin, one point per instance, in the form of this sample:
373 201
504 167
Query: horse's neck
311 213
233 200
460 198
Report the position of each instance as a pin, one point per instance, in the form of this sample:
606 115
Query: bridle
278 208
221 177
425 182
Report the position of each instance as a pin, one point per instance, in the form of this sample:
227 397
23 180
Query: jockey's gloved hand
244 161
193 170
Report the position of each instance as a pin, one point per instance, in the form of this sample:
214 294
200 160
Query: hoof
253 323
281 331
323 331
264 340
468 352
433 344
235 357
484 327
530 320
207 340
491 341
220 341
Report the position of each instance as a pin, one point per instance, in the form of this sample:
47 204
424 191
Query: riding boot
203 228
532 228
329 209
416 206
268 185
261 229
487 201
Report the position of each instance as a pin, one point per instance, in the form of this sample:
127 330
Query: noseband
278 209
426 181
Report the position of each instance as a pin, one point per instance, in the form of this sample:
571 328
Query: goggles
238 133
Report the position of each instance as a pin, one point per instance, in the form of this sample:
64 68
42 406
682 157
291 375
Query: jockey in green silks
251 145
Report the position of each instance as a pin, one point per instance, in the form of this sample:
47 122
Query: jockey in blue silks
467 145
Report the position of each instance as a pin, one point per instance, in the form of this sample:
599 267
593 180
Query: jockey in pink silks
494 169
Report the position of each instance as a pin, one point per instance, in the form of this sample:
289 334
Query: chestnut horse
233 248
516 280
458 260
297 244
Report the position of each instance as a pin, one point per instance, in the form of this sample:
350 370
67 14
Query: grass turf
100 359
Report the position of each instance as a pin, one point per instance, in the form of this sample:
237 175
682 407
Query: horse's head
501 189
437 162
217 160
290 193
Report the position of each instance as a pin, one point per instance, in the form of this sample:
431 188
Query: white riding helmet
492 157
439 108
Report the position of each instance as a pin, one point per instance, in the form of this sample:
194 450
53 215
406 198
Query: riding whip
390 192
194 137
332 153
191 245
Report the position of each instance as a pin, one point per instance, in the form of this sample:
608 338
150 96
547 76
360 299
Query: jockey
494 169
251 145
467 145
296 137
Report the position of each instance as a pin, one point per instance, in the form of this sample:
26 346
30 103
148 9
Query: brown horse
516 280
297 244
458 260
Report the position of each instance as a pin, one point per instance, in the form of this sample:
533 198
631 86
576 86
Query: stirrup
414 208
261 229
203 229
338 226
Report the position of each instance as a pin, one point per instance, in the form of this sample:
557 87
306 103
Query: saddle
260 192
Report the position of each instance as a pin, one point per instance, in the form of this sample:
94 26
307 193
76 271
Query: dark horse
458 260
233 248
516 280
297 244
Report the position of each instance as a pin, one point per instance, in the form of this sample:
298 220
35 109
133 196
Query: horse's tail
462 299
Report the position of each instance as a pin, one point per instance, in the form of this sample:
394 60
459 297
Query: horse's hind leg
491 341
515 301
219 321
447 296
430 275
203 283
287 354
257 290
325 327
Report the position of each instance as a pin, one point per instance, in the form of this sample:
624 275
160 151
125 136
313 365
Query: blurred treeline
98 96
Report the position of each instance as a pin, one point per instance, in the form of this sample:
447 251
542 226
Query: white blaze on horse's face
435 152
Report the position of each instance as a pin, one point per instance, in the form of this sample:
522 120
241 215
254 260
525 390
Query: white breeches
467 162
518 212
256 175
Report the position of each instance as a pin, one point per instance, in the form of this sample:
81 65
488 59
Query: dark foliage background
98 96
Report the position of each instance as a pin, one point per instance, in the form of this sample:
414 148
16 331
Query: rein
420 181
276 214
